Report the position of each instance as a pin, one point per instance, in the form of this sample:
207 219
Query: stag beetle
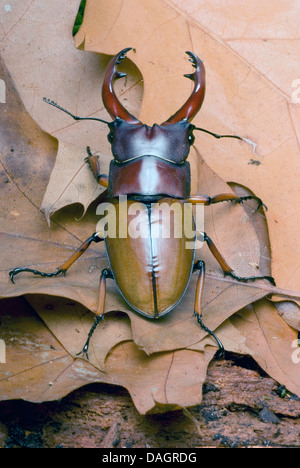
150 167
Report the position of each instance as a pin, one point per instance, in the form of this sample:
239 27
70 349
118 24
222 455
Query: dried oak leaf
40 369
83 287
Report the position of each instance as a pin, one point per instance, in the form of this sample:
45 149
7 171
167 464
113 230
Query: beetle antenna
75 117
218 136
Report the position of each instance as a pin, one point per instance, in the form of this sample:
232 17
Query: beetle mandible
150 167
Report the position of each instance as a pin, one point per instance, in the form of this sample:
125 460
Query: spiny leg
65 266
106 273
94 163
226 268
200 265
206 200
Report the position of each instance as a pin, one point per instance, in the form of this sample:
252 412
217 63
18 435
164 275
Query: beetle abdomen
151 256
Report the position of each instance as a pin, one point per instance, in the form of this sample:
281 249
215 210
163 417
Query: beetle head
171 140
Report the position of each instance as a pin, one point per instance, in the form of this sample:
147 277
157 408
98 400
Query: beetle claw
84 351
192 58
190 76
260 203
220 354
12 274
122 55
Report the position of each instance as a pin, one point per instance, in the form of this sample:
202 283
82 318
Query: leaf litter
128 347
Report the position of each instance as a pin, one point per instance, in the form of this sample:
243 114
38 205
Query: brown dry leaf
162 382
272 342
225 110
70 323
259 331
39 368
81 187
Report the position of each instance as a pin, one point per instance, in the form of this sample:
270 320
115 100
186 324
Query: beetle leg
200 265
226 268
106 273
93 162
206 200
65 266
